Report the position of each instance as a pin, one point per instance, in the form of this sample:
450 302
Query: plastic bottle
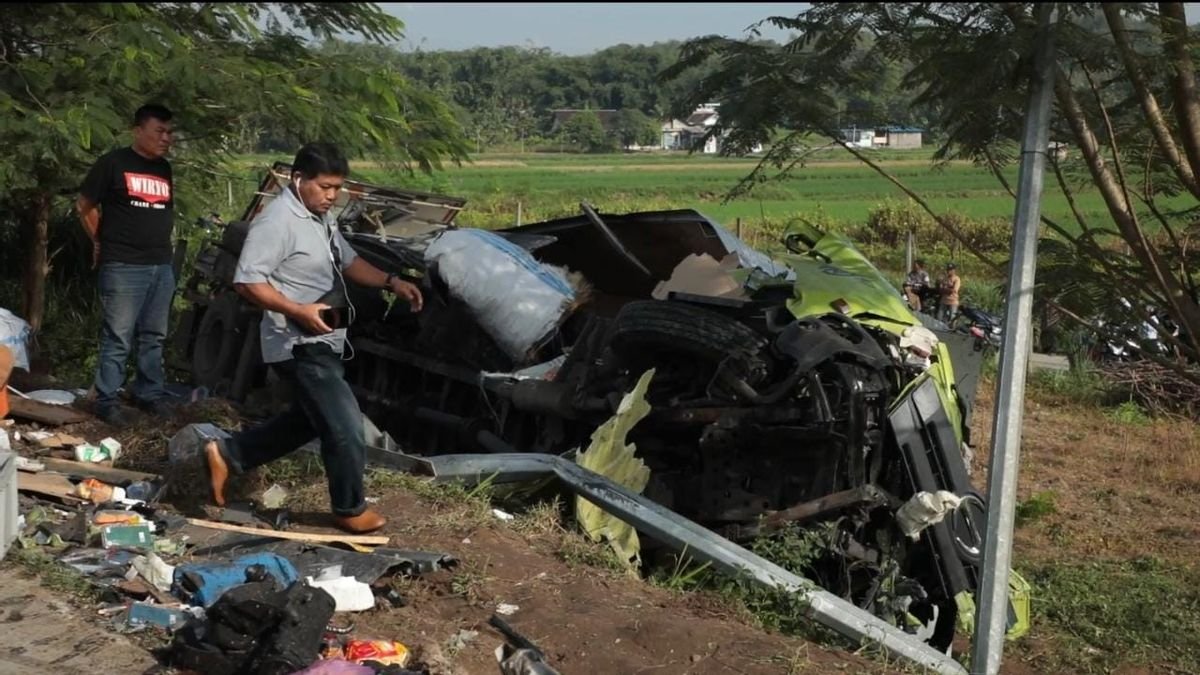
142 490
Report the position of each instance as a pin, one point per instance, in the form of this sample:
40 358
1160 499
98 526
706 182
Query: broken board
91 470
49 485
54 415
316 537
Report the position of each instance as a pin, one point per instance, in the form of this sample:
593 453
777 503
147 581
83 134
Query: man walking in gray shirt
294 265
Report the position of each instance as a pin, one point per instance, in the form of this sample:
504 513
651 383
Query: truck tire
218 343
657 325
234 236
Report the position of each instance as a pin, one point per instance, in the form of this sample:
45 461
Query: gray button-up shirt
288 248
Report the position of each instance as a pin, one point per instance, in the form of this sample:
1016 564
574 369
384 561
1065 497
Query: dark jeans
136 301
324 406
947 313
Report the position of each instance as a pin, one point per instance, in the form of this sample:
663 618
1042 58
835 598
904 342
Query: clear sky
582 28
577 28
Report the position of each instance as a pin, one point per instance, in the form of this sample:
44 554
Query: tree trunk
1154 115
37 265
1183 78
1185 310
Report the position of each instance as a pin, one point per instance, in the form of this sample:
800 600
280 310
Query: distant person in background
949 288
915 283
127 207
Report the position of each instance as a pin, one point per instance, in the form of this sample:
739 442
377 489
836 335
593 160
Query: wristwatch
388 282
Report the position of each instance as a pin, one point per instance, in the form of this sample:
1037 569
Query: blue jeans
324 406
136 300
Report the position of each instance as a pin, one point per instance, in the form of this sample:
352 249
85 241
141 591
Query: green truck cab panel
835 276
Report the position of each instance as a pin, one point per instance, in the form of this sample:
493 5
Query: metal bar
910 247
991 615
684 535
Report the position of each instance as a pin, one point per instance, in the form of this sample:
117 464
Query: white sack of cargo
14 334
516 299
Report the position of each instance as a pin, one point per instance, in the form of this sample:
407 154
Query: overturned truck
798 391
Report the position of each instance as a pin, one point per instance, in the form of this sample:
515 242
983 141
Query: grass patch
1120 612
52 574
296 470
1037 506
577 550
1129 413
794 549
1082 386
440 494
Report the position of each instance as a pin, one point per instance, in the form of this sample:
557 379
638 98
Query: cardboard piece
703 275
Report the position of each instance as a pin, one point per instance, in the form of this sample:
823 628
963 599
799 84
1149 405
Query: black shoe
159 407
114 415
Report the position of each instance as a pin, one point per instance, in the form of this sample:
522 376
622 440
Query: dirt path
587 619
42 633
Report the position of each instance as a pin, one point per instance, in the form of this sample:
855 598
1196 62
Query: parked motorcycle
983 325
1127 342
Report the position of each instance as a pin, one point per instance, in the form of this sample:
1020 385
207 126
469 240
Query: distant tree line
504 96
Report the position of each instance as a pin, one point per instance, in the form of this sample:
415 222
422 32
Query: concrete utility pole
991 616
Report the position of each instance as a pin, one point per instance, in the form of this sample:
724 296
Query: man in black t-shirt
127 207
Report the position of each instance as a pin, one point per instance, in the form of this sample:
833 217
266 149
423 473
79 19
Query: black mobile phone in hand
332 317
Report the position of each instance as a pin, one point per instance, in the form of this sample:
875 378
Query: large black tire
234 236
678 328
218 343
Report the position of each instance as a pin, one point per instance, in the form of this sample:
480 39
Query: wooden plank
48 484
367 540
91 470
55 415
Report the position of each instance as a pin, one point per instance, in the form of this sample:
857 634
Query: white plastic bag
14 333
515 298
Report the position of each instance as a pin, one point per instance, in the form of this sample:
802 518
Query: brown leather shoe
218 471
367 521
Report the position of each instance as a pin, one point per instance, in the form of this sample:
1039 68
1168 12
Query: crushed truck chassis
809 396
681 534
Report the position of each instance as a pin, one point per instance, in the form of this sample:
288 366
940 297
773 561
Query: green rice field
833 188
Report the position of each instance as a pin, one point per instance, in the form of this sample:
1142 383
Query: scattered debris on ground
148 560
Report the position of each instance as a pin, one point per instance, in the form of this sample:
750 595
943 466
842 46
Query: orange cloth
6 366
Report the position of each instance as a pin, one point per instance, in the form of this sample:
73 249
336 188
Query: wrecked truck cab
791 392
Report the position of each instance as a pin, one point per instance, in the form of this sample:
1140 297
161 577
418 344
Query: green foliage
72 75
968 66
53 574
585 131
1036 507
1081 385
633 127
1112 613
1129 413
889 225
794 549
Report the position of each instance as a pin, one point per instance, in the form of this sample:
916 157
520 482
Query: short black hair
151 111
919 261
319 158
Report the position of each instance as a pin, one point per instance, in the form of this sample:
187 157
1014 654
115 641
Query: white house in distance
901 138
682 134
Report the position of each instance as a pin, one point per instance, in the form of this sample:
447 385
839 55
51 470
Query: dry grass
1120 488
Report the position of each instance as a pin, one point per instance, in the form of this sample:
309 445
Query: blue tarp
213 579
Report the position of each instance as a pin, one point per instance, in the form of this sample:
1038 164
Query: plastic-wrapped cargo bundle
14 334
516 299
